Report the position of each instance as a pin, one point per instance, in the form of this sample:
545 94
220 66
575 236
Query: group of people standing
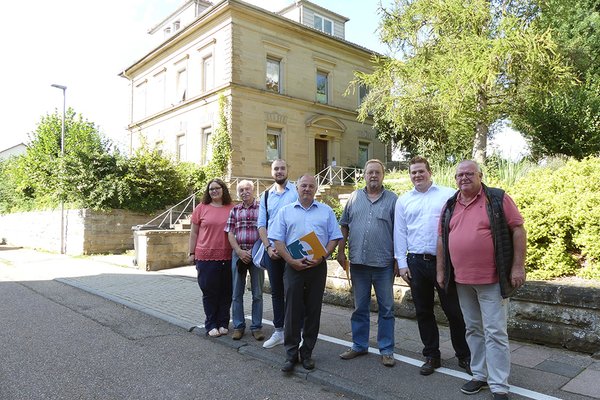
467 245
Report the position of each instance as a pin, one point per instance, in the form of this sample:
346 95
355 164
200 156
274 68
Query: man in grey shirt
367 225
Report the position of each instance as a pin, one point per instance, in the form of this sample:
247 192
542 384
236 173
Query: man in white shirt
416 222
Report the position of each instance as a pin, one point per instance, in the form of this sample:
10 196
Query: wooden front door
320 155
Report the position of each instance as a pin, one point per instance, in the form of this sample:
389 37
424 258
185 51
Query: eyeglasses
214 189
465 175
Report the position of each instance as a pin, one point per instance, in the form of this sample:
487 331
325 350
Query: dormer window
167 31
176 26
323 24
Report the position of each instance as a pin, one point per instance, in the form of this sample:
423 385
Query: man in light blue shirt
282 193
416 222
305 277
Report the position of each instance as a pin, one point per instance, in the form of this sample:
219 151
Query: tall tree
459 66
568 122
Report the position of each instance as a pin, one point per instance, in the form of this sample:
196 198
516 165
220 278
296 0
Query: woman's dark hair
206 199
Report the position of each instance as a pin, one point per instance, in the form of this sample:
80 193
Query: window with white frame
181 85
273 74
208 73
158 146
158 92
273 144
322 87
363 153
207 146
181 151
363 91
176 25
140 101
323 24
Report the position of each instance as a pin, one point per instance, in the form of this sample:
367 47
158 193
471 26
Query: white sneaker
274 340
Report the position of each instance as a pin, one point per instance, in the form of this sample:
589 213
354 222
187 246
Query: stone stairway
339 192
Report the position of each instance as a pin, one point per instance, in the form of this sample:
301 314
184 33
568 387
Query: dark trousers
303 298
275 270
214 279
422 284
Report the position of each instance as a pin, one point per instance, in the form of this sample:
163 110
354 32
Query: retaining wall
86 231
559 315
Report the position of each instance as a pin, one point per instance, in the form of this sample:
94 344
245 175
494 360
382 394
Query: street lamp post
62 154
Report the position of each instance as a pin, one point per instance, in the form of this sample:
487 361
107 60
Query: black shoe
430 365
473 386
288 366
465 363
308 363
500 396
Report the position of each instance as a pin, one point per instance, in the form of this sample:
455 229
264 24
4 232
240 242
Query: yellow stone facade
225 52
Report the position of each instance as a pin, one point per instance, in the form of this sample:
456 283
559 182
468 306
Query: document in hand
307 246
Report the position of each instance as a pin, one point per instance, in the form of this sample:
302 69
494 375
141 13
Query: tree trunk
481 129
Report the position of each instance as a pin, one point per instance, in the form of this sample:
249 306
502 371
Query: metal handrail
329 176
339 176
169 215
260 184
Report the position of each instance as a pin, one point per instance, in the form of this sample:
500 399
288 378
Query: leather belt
425 257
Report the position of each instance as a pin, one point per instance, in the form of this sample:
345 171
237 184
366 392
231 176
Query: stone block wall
562 315
86 231
546 313
158 250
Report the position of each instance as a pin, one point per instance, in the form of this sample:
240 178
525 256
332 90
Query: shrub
562 216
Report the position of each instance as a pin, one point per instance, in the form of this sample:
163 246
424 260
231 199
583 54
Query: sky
84 45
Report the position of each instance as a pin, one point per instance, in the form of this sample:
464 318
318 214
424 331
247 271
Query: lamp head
59 86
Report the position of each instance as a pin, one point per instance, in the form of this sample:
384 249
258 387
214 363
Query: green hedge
560 203
561 208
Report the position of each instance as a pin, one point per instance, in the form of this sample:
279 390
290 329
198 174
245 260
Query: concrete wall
541 312
86 231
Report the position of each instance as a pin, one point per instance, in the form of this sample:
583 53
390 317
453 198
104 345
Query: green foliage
460 66
562 218
568 121
221 143
153 181
91 174
8 188
193 177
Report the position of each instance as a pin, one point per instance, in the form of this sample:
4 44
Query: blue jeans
214 279
276 270
257 278
382 279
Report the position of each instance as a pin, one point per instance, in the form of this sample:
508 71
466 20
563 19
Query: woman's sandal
223 331
214 332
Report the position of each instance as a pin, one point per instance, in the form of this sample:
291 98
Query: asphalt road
58 342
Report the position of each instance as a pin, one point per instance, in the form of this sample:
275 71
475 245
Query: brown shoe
430 365
258 335
388 360
350 354
237 334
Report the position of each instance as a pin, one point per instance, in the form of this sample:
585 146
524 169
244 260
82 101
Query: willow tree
457 67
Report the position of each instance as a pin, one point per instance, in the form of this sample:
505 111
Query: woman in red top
211 252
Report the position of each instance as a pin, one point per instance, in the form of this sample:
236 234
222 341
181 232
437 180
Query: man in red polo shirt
481 254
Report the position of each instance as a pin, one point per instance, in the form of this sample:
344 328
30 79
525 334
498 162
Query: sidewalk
173 295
